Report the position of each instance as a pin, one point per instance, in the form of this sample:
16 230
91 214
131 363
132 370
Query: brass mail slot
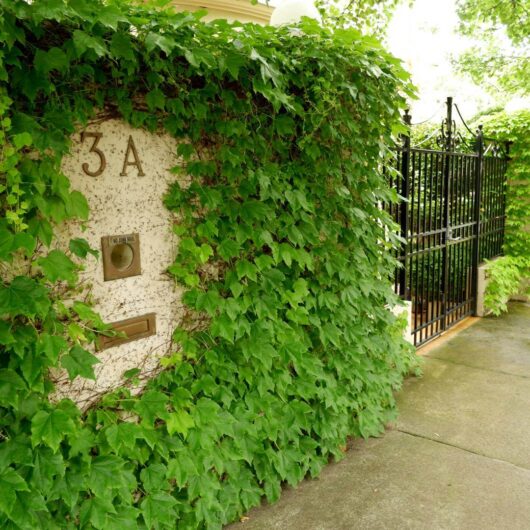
134 328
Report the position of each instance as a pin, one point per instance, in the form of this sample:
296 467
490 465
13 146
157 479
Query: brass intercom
133 328
121 256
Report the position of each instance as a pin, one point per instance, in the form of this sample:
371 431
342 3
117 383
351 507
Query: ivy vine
509 274
289 347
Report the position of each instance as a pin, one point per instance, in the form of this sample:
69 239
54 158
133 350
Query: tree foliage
502 59
371 17
283 135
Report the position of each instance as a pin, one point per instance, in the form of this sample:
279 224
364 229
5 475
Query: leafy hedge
288 347
510 274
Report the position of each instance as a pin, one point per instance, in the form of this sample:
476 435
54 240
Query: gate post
404 206
447 194
479 148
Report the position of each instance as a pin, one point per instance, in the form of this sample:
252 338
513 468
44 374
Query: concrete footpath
458 457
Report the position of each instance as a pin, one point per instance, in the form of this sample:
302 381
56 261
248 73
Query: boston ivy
508 275
288 346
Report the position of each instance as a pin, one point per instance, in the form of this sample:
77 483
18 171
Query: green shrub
506 276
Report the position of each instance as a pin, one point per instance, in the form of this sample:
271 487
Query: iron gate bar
452 218
447 182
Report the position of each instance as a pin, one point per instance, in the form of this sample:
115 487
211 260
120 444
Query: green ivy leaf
6 337
67 488
246 269
25 241
23 511
154 40
53 59
111 16
22 140
185 150
153 477
81 442
42 229
77 206
50 428
123 435
58 266
224 327
95 511
159 509
234 63
205 251
83 42
182 468
124 519
122 46
285 125
180 422
47 466
228 249
79 362
209 301
81 248
155 99
7 240
152 405
33 369
132 373
24 296
10 385
87 313
106 474
10 483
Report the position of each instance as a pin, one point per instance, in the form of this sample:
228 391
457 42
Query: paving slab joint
470 451
452 361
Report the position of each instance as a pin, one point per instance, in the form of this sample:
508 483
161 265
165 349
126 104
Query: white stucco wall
482 284
124 205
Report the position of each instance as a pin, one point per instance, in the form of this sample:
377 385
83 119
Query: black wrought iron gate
452 219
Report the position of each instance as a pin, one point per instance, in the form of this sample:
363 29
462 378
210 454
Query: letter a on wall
131 148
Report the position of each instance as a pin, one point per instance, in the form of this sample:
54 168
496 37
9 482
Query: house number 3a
131 157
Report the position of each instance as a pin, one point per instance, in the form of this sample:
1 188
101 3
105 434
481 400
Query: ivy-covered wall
509 275
288 347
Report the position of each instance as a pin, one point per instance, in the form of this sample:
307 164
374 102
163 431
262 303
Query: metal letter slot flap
134 328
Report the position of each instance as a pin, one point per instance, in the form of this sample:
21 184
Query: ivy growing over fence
289 347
